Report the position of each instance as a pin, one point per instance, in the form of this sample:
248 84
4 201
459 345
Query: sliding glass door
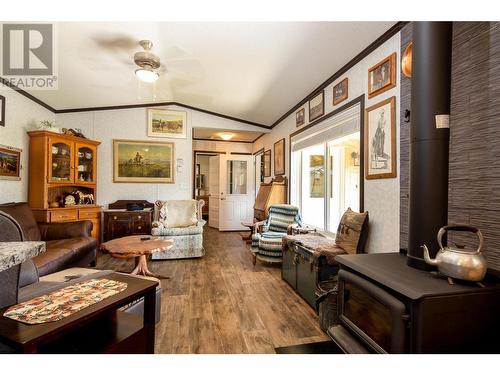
313 185
343 178
325 172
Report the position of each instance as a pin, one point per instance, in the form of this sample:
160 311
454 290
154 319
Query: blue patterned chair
266 239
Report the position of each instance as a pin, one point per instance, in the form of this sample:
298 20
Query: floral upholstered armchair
266 239
181 221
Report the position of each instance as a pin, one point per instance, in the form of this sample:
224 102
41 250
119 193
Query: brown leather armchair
67 244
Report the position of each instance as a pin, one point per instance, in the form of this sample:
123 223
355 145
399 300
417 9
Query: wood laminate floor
222 304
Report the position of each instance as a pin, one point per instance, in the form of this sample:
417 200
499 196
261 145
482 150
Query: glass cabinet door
60 160
85 163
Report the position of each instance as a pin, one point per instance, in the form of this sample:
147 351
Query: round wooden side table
137 247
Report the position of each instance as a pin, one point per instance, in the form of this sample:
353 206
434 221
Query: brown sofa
67 244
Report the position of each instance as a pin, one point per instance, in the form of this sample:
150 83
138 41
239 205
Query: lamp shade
147 75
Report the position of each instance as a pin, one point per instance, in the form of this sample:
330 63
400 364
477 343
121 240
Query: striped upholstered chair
266 239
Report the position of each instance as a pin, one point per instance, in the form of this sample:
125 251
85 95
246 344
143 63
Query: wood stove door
376 317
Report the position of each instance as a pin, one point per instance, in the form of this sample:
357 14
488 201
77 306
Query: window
236 177
325 174
313 185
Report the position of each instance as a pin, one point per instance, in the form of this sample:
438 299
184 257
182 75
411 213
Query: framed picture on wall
380 140
143 161
340 91
2 110
279 157
382 76
10 163
267 163
167 123
317 106
300 117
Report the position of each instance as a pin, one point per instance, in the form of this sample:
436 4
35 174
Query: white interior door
236 191
214 196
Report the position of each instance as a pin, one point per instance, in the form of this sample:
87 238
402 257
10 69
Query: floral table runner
64 302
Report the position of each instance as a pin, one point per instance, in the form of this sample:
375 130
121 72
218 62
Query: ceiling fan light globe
147 75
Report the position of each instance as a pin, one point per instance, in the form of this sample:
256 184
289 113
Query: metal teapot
455 262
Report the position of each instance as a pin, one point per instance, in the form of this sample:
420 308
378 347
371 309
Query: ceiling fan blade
116 42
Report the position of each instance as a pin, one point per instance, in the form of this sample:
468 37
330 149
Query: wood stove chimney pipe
429 144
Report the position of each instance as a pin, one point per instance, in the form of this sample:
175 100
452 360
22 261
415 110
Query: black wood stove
385 306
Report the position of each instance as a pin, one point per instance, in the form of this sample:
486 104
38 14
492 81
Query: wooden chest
121 223
303 272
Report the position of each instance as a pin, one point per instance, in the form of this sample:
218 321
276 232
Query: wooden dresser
61 164
118 222
270 193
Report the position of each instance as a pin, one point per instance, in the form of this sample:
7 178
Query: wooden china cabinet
61 164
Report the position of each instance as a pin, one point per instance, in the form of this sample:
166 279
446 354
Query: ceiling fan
183 70
147 62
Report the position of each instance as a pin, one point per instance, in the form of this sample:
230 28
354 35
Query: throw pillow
349 230
179 214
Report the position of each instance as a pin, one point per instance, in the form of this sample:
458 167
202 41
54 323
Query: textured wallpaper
474 182
474 179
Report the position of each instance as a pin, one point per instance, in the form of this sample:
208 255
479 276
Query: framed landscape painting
279 157
10 163
382 76
380 140
143 161
316 107
167 123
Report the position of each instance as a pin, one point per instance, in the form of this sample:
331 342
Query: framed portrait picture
317 106
2 110
300 117
382 76
10 163
143 161
380 140
267 163
340 91
279 157
167 123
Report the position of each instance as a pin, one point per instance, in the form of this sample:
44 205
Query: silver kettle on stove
456 262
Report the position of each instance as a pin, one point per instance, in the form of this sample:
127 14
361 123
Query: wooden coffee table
136 247
99 328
